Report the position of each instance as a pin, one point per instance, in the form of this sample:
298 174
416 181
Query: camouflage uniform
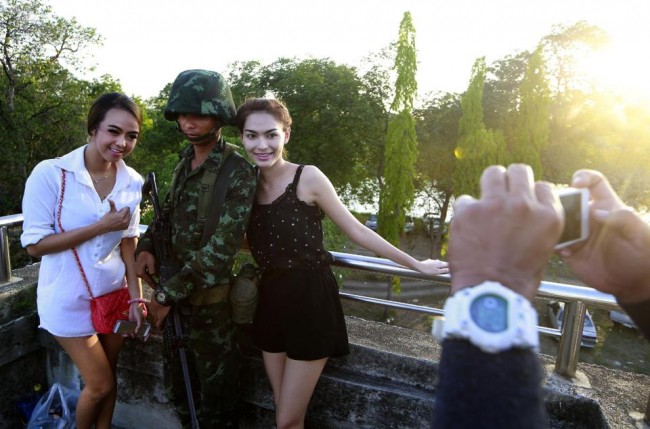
214 358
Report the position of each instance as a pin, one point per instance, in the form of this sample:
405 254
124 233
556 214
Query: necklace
95 181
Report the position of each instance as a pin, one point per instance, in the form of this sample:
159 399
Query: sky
148 42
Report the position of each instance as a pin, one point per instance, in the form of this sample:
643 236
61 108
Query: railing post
566 362
5 260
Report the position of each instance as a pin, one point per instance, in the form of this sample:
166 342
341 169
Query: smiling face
264 138
116 135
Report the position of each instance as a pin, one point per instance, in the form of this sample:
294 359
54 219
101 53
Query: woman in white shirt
99 216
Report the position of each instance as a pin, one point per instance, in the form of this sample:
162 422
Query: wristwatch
490 316
161 296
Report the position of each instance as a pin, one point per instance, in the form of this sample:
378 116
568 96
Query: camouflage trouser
213 361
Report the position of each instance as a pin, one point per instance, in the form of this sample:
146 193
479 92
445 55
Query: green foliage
564 48
335 126
437 131
335 240
342 114
532 125
43 107
501 93
400 152
398 192
159 143
401 149
406 87
477 146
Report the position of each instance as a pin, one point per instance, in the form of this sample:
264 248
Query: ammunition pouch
212 295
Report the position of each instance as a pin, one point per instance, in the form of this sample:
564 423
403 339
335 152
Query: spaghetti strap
296 178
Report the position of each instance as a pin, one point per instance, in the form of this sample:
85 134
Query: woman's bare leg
92 361
293 383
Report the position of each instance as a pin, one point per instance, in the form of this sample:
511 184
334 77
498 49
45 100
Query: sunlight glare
620 67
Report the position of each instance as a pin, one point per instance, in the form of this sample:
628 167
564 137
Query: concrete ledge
386 382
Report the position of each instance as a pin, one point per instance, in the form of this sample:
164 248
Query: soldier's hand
157 313
145 267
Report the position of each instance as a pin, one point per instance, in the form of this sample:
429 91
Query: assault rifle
166 268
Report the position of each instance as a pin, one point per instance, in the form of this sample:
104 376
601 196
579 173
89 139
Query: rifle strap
213 183
207 181
216 186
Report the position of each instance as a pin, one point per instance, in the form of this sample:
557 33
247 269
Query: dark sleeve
640 313
478 389
145 244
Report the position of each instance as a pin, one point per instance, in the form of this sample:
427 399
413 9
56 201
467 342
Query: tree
34 38
401 140
401 150
477 146
437 131
564 48
378 86
573 101
335 125
501 93
43 107
532 123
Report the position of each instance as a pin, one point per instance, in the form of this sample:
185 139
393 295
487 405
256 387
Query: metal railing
576 298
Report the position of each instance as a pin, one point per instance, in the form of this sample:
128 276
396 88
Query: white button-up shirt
62 298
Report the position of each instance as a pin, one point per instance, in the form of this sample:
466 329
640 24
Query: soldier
201 103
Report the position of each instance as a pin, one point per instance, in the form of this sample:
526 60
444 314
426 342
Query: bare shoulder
313 183
313 178
311 172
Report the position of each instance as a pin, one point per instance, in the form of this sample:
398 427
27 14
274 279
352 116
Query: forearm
381 247
54 243
479 389
127 248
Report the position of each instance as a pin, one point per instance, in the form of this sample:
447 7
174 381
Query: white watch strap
521 327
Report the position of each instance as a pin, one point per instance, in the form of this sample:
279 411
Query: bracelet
138 300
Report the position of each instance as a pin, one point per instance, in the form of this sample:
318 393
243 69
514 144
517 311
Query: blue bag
55 410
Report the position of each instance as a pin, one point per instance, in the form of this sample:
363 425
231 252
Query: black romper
299 311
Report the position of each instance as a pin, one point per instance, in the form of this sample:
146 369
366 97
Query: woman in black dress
299 322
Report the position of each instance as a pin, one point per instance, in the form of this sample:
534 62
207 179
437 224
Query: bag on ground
55 410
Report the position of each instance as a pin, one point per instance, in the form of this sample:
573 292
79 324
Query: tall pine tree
477 146
401 151
532 124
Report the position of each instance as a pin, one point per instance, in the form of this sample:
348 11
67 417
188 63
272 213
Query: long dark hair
108 101
271 106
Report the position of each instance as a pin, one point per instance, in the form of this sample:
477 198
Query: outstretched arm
315 188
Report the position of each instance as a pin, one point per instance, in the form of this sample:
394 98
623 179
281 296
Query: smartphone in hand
576 215
128 327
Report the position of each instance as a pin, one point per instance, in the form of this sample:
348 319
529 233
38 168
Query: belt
210 295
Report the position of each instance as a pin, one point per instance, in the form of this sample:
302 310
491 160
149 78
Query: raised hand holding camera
575 202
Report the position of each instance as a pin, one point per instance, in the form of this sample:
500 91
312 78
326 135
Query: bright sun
621 67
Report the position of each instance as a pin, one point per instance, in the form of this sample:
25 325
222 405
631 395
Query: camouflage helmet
201 92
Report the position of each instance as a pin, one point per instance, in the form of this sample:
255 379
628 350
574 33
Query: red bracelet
138 300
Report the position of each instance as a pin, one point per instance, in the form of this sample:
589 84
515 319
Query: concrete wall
388 380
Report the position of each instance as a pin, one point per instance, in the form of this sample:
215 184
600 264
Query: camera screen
572 212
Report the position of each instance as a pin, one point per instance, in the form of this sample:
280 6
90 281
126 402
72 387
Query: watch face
161 297
490 312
